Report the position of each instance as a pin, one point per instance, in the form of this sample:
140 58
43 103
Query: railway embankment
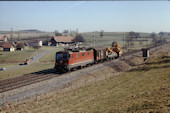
80 78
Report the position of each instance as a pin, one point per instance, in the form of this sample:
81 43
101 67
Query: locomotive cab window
77 55
66 56
71 56
88 53
60 56
82 54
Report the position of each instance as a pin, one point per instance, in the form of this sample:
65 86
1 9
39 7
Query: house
47 43
19 46
62 40
8 47
35 43
14 44
1 46
3 38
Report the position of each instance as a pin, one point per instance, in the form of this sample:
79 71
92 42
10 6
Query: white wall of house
6 39
38 43
12 49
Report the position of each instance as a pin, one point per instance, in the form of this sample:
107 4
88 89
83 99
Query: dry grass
21 56
38 66
12 59
145 89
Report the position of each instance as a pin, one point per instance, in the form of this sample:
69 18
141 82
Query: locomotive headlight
61 61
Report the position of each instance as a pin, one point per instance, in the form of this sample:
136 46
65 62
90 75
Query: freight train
74 58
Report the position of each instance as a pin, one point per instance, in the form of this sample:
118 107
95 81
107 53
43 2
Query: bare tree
153 36
130 37
162 34
66 31
58 34
101 33
79 38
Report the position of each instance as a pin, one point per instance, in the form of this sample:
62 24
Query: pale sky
110 16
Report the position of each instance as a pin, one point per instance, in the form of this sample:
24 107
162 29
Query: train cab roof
99 48
73 50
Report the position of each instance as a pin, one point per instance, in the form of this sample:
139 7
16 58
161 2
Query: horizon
110 16
36 30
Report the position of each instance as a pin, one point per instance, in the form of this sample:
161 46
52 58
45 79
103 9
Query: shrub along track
24 80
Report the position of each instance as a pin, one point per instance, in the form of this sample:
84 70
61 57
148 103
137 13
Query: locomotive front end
62 60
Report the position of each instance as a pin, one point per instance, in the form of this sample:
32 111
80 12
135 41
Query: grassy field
50 57
21 56
109 37
11 59
26 70
17 56
145 89
27 34
104 41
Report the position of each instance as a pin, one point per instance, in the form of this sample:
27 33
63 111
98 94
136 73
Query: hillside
144 89
30 30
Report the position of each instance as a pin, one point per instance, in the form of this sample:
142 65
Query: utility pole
93 41
19 38
70 31
77 31
123 41
123 49
11 34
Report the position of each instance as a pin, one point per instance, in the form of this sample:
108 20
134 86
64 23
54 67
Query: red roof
2 37
33 41
63 39
1 44
7 45
20 45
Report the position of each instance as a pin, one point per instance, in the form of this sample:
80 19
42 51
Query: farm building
3 38
19 46
47 43
8 47
1 46
35 43
62 40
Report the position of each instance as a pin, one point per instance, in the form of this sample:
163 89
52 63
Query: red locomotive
73 58
79 57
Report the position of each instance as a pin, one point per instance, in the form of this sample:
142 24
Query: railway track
6 85
17 82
